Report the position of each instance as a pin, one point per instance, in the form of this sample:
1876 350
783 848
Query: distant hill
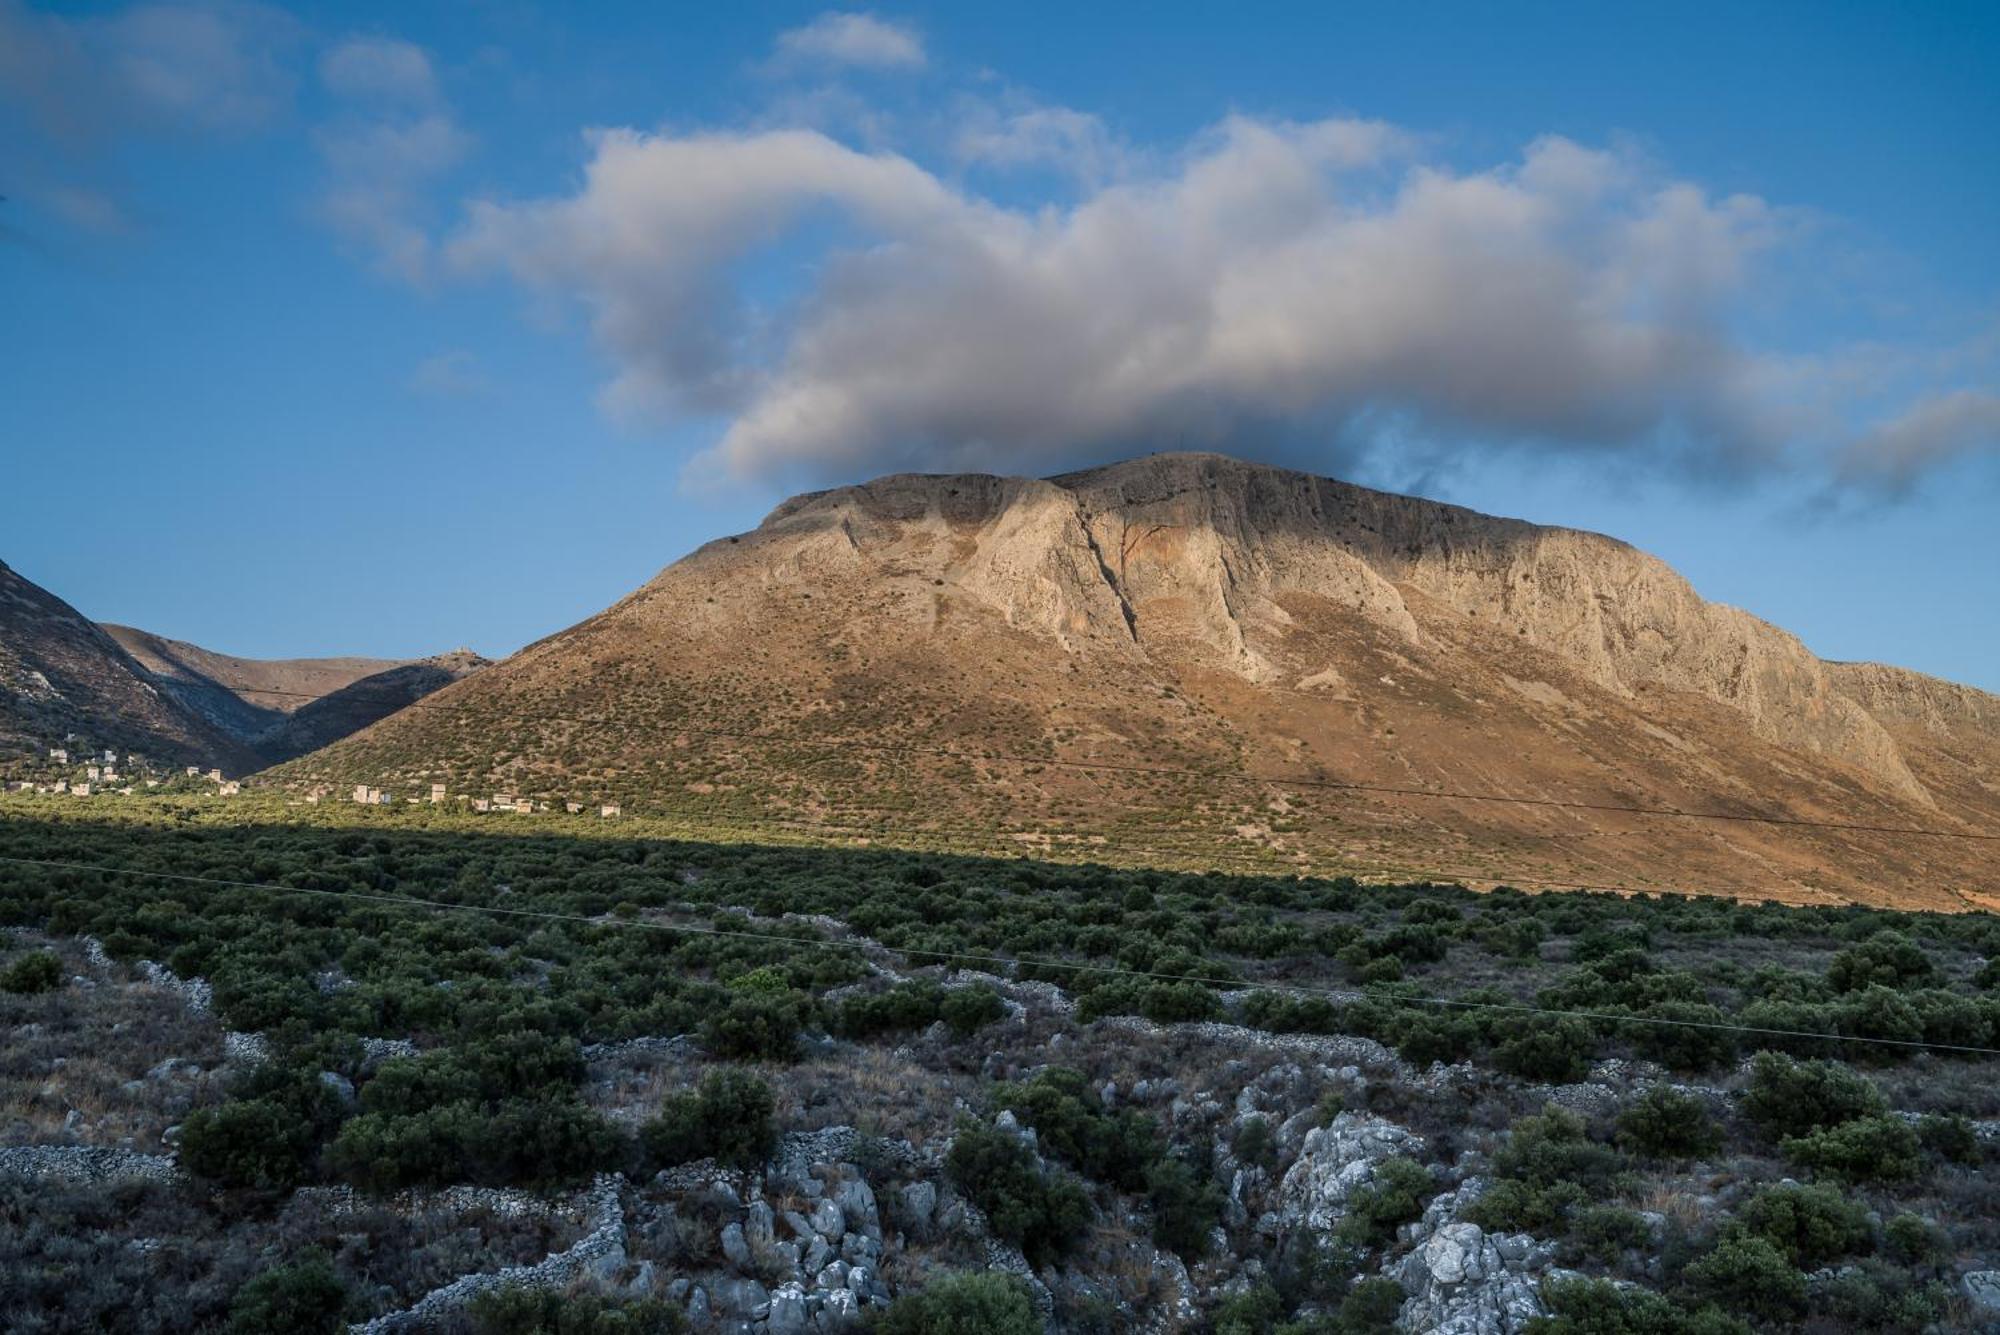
245 697
63 675
1196 613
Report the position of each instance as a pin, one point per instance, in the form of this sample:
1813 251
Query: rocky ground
856 1205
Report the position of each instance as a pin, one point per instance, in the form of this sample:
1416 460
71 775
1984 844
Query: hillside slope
1193 613
245 697
61 674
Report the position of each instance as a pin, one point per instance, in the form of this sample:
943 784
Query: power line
1010 961
1212 776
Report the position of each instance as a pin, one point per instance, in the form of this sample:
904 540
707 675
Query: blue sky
383 329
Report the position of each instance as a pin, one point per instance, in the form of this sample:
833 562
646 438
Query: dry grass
75 1062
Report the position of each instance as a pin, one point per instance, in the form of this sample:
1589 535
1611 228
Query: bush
727 1118
1256 1143
1869 1149
1794 1098
1951 1139
964 1304
1749 1274
1811 1225
1534 1047
1874 1297
1667 1123
1684 1035
1255 1311
754 1025
1599 1307
536 1142
520 1310
966 1010
1549 1167
1185 1206
1038 1210
266 1135
1913 1240
1395 1195
1370 1306
1887 959
33 973
304 1296
1604 1233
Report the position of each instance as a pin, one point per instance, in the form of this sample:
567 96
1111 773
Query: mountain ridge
1195 611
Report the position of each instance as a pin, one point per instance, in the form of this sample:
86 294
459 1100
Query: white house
608 810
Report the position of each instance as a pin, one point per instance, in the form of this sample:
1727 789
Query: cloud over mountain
1271 275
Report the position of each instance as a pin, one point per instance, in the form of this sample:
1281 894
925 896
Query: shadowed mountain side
245 697
61 674
1193 613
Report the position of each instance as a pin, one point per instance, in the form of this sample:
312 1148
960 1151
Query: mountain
1181 617
362 701
284 707
61 674
245 697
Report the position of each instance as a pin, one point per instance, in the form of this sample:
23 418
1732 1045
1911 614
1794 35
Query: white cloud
1569 296
386 151
379 69
1933 431
151 70
453 374
155 67
1061 139
860 40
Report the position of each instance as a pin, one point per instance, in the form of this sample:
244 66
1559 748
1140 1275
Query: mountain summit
1175 618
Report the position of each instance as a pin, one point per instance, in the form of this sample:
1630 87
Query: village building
609 810
572 807
59 755
437 792
232 788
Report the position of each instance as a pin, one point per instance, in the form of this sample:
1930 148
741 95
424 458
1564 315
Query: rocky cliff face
1192 612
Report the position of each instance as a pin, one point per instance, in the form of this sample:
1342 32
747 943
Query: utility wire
1341 994
1211 776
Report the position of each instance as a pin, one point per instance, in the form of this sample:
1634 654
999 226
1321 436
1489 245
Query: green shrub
1548 1167
1604 1233
1255 1311
1811 1224
1887 959
754 1026
1394 1196
1040 1211
1072 1123
1951 1139
528 1141
517 1309
1750 1275
1868 1149
1794 1098
1535 1047
728 1118
1667 1123
1684 1035
964 1304
303 1296
966 1010
1369 1307
1256 1143
1878 1298
1913 1240
1185 1206
267 1135
1580 1306
38 971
